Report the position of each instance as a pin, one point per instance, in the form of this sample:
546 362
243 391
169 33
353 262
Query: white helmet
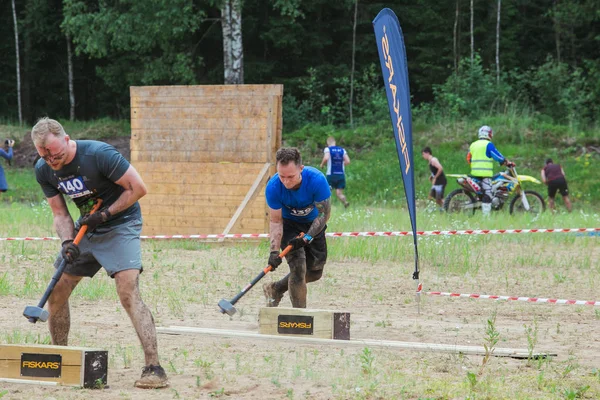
485 132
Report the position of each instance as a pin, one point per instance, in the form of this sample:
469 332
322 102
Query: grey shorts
116 248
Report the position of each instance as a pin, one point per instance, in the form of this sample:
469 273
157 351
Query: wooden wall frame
205 154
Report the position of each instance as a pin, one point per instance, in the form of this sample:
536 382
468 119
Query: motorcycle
505 184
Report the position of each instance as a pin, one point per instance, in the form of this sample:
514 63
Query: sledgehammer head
35 314
226 307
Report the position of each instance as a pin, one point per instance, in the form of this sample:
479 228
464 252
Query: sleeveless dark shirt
553 172
441 180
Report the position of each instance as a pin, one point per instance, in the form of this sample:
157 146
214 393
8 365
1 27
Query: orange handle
83 228
283 253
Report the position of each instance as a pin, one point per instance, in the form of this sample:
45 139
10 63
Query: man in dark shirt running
437 177
86 170
554 176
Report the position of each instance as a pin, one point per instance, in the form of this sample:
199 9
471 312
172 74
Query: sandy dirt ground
183 286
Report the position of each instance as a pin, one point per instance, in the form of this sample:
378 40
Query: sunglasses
56 157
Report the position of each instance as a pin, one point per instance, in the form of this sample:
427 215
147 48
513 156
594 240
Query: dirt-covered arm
324 209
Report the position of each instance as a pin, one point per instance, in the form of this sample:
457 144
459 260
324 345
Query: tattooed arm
63 223
134 187
324 208
276 228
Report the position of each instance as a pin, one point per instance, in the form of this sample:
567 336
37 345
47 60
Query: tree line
77 58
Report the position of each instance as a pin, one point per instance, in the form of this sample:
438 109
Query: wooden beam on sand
40 364
430 347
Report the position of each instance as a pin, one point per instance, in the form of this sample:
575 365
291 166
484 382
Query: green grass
184 279
96 129
373 177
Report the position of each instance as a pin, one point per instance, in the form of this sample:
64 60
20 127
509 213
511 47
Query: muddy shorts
315 252
116 248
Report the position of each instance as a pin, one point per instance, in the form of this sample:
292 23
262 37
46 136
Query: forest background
530 69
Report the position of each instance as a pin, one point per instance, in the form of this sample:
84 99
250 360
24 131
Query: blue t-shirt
298 205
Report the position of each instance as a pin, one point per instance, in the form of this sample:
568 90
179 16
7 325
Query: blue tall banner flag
392 55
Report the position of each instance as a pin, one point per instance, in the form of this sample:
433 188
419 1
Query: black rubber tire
455 193
528 193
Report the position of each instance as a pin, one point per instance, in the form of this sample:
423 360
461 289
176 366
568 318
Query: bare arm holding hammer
135 189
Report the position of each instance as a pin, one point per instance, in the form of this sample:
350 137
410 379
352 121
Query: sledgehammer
38 313
227 306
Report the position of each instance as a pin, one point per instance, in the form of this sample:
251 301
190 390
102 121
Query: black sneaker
153 377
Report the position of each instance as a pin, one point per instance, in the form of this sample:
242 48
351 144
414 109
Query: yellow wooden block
70 366
325 324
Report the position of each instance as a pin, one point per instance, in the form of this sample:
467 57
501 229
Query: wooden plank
254 189
27 381
203 145
216 224
176 189
199 210
220 109
193 178
188 135
153 124
193 200
196 101
200 168
205 90
151 230
391 344
197 156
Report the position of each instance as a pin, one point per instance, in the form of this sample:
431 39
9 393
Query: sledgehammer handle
259 276
63 263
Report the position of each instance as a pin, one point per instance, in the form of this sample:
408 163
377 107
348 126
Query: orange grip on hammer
282 254
83 228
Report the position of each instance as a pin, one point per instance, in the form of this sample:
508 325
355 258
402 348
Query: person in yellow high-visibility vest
481 157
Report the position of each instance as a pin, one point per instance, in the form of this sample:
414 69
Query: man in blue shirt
481 157
299 202
336 158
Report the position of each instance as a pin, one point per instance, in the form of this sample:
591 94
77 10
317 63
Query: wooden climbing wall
205 154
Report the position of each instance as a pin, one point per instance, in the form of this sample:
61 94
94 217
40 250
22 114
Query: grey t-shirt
92 174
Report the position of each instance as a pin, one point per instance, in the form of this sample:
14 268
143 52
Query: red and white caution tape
526 299
350 234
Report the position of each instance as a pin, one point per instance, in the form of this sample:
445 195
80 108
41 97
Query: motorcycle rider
482 154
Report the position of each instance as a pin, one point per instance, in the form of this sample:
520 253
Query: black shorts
560 185
337 181
315 253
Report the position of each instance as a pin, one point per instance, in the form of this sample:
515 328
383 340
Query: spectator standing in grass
437 177
553 175
336 158
6 152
